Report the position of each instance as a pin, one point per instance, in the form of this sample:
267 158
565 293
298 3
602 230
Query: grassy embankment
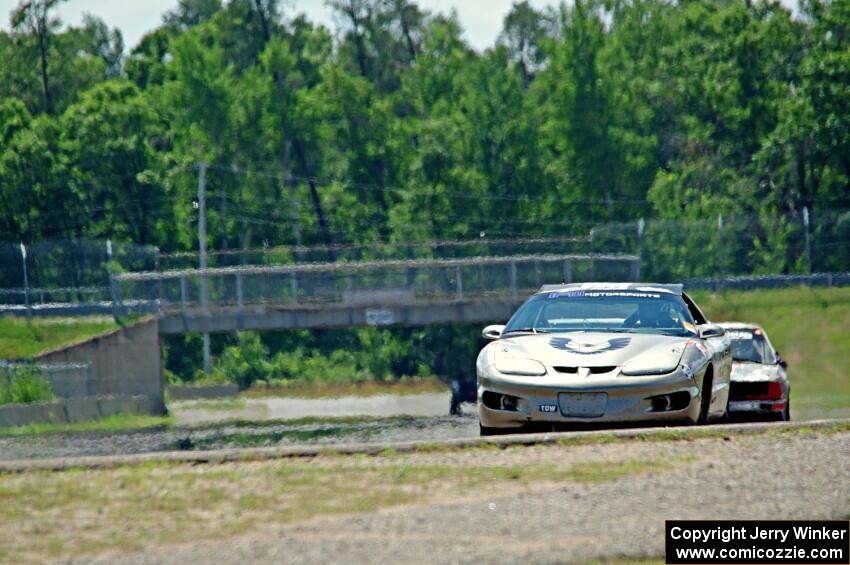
810 327
20 339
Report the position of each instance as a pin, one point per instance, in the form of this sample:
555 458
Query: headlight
519 366
657 361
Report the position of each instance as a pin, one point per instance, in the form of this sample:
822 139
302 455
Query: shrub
245 362
22 384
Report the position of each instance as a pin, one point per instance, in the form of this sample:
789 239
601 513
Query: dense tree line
392 128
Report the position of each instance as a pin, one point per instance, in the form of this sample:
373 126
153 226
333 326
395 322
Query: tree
113 141
33 18
190 13
98 40
524 31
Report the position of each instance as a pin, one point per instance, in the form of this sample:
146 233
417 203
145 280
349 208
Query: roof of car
644 287
740 326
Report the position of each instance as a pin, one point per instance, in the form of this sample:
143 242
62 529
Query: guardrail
828 280
368 282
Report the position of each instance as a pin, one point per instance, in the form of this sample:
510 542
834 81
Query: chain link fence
65 380
721 247
371 282
66 271
59 277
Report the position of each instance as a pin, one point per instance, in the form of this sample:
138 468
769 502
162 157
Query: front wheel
705 399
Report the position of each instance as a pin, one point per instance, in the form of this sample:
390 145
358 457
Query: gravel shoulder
539 504
798 477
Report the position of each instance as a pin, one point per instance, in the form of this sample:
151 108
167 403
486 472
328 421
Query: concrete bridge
367 293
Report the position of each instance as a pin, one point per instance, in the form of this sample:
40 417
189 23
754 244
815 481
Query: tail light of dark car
756 391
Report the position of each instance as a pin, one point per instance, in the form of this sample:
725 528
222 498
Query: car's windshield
604 310
750 346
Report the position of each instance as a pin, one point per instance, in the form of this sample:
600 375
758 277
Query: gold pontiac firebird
603 352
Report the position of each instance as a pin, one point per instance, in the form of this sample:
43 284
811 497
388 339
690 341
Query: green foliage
330 357
397 130
22 384
245 362
20 339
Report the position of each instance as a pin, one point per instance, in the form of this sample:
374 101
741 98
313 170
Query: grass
810 327
110 424
215 404
128 508
361 388
20 339
24 384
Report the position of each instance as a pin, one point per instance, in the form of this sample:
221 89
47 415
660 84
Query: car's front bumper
551 399
757 406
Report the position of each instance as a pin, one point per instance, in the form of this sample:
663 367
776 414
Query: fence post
514 296
113 286
239 290
807 227
158 269
348 293
568 271
637 266
202 247
458 284
293 286
184 294
720 268
26 281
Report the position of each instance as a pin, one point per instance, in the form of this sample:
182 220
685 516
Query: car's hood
591 349
754 372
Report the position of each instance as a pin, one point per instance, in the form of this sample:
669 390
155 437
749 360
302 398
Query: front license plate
582 404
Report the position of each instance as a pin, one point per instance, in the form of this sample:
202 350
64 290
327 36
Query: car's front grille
592 370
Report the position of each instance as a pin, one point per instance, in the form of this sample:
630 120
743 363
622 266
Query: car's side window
696 313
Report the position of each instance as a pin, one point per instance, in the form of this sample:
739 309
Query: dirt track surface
202 426
259 434
795 475
429 404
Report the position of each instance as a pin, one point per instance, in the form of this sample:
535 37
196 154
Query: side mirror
780 361
492 332
711 330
